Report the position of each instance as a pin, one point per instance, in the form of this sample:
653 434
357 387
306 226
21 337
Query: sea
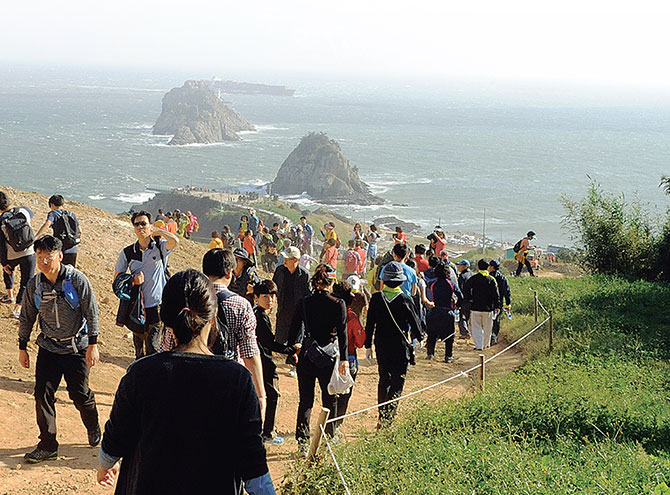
469 156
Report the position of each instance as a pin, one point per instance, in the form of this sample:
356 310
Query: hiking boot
39 455
94 436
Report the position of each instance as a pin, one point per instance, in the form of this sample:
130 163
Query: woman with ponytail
324 319
185 421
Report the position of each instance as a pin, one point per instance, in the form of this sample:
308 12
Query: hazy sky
597 41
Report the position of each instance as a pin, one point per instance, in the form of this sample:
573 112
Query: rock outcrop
318 167
194 114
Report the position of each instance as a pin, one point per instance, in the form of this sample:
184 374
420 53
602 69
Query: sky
610 42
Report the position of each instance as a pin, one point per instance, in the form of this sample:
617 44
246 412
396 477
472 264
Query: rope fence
324 420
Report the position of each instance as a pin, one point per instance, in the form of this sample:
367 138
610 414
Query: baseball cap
495 264
291 252
464 262
355 282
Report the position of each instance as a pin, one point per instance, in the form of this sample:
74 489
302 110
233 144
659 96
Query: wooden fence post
482 372
535 305
551 330
316 438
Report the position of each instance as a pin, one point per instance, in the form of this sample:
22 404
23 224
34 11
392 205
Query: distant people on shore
521 249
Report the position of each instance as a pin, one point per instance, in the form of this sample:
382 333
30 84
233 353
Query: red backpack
352 261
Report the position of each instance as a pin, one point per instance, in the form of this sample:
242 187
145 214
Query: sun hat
291 252
241 253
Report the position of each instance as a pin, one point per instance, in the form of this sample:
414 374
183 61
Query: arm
26 322
171 239
459 296
413 319
254 365
43 228
341 329
90 311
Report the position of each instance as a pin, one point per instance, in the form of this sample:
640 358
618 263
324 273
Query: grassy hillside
593 417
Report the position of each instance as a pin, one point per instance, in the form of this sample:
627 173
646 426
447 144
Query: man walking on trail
482 292
409 283
61 299
505 297
522 254
308 234
146 260
57 218
292 283
464 273
16 249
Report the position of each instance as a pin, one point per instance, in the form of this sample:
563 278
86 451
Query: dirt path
74 471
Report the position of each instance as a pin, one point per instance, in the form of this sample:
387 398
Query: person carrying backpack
440 319
61 299
16 249
521 249
65 227
352 261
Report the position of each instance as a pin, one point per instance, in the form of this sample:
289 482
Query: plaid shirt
241 321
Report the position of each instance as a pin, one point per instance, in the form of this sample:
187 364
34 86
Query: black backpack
17 230
224 344
66 229
517 246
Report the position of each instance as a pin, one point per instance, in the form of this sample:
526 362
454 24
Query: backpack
66 229
69 294
18 233
453 303
517 246
223 342
352 261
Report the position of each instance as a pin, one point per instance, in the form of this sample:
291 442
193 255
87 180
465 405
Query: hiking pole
482 373
551 330
535 301
316 440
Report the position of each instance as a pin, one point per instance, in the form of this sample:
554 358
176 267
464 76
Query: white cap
355 282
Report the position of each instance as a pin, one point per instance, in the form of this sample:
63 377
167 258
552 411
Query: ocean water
448 153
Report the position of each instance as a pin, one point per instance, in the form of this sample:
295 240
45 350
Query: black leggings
26 265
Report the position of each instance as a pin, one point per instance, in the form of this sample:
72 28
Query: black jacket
291 288
325 319
267 343
239 284
482 292
392 344
503 288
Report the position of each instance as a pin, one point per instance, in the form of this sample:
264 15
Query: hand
430 304
368 354
92 355
297 346
7 268
344 366
106 477
24 358
138 279
262 402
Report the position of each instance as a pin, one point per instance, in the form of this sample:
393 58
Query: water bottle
456 314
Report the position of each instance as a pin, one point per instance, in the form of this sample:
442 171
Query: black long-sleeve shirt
267 343
482 292
326 318
390 344
503 288
184 423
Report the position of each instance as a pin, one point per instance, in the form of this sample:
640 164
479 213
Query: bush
614 236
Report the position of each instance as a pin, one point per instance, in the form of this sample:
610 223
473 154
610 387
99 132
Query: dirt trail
104 236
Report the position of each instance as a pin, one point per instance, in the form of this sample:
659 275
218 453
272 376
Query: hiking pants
448 345
481 324
272 400
26 265
147 343
496 328
521 265
307 376
391 382
463 321
49 370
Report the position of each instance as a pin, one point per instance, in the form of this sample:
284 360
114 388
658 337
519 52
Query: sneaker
16 315
292 373
450 359
429 357
278 440
7 299
39 455
94 436
267 440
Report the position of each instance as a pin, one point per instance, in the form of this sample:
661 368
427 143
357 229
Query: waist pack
321 356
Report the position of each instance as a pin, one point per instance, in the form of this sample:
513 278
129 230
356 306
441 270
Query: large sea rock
194 114
318 167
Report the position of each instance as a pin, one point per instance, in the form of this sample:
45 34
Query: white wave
96 197
135 198
107 88
270 127
137 125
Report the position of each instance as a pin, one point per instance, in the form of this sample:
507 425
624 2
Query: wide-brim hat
241 253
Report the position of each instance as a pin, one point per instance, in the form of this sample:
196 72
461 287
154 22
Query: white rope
461 373
543 308
517 341
332 454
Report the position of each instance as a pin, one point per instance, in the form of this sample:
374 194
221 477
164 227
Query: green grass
592 417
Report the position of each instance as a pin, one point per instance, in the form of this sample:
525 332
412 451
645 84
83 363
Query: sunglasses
141 224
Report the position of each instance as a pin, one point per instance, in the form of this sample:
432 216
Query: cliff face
319 168
194 114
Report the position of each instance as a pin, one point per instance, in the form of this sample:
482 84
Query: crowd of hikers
210 329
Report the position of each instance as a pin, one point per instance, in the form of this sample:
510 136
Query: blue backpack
69 294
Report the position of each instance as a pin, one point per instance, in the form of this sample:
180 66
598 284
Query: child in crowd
270 259
399 237
362 252
227 237
265 295
215 242
330 254
249 245
243 227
